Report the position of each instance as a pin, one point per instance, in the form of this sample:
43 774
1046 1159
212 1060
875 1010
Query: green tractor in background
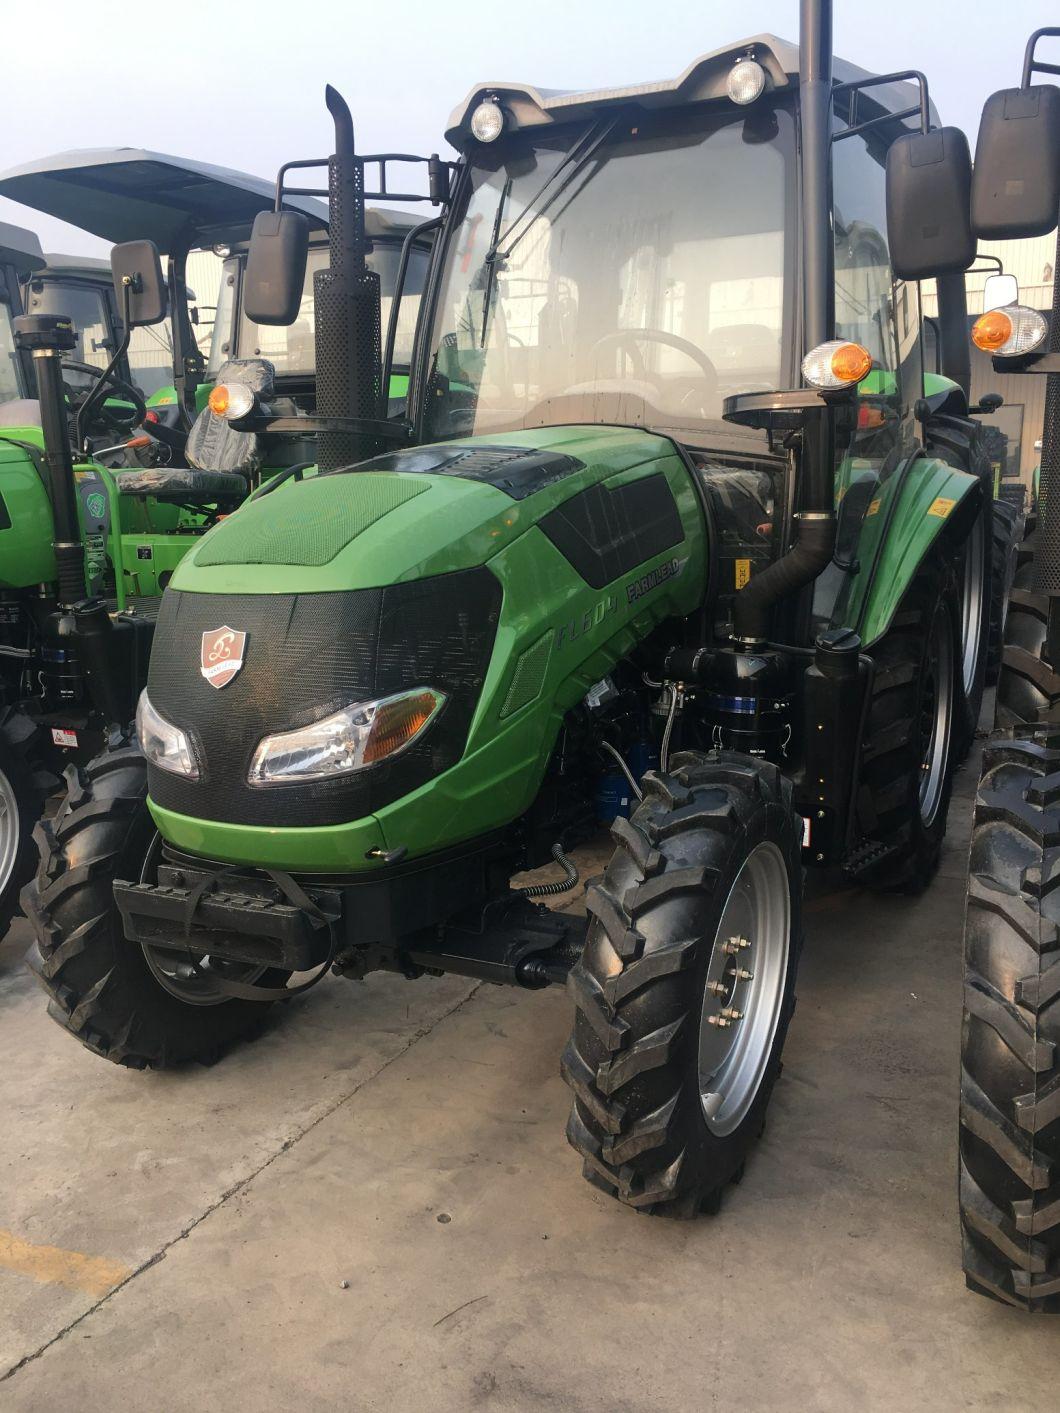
1010 1040
662 501
140 503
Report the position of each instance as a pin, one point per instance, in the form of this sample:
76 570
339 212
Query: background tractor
662 487
139 501
1010 1044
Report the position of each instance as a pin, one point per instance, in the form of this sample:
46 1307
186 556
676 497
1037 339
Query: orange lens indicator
992 330
836 364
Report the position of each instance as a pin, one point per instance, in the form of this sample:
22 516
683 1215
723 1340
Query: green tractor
187 208
660 503
140 503
1010 1040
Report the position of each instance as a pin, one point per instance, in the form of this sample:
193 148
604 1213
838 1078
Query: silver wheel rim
744 991
187 976
972 596
10 831
936 712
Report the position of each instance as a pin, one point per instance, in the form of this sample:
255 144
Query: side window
864 309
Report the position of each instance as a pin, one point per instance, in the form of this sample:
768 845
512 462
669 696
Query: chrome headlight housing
351 739
163 744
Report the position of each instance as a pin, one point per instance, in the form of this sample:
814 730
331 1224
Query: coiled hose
549 890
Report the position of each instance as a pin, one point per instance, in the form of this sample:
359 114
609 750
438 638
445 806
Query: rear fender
911 512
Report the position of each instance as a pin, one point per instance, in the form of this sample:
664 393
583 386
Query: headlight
358 736
1009 332
836 364
487 121
231 401
164 744
746 80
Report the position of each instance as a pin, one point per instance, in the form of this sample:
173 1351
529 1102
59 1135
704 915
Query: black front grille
306 656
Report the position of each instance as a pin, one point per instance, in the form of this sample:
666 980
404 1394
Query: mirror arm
95 396
188 363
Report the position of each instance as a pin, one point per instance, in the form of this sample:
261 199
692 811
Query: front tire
1010 1036
686 985
101 986
23 790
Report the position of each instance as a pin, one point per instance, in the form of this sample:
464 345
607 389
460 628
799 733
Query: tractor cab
633 257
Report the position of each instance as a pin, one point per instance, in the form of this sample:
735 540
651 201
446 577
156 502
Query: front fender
907 516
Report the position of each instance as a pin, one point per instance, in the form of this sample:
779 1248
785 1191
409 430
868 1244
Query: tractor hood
408 514
507 575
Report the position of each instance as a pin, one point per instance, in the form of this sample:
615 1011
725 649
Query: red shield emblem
222 655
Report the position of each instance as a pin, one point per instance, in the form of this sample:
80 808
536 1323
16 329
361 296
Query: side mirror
929 176
1016 186
989 403
1000 290
136 268
276 263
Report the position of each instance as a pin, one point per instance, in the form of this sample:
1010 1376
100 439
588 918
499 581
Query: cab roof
129 193
703 80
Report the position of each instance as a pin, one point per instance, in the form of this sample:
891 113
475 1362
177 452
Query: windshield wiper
488 261
555 185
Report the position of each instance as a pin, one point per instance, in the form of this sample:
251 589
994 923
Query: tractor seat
221 459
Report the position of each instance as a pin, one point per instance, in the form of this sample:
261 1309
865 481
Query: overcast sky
242 85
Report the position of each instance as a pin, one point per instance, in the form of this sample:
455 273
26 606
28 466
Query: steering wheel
119 419
627 340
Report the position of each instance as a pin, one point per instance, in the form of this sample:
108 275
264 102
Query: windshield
292 348
9 369
646 284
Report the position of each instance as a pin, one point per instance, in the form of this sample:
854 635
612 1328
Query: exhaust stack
347 305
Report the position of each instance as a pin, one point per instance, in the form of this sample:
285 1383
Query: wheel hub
10 830
744 989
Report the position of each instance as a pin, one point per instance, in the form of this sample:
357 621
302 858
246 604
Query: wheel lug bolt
732 1014
719 1021
744 975
717 988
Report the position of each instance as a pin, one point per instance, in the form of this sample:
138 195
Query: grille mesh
529 676
329 513
306 656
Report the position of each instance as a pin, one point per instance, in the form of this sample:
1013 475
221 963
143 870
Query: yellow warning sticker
940 507
743 572
874 506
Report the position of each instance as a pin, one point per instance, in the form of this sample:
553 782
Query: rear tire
1004 524
909 736
668 1103
100 986
982 582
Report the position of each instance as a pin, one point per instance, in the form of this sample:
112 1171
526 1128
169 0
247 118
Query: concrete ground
373 1207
